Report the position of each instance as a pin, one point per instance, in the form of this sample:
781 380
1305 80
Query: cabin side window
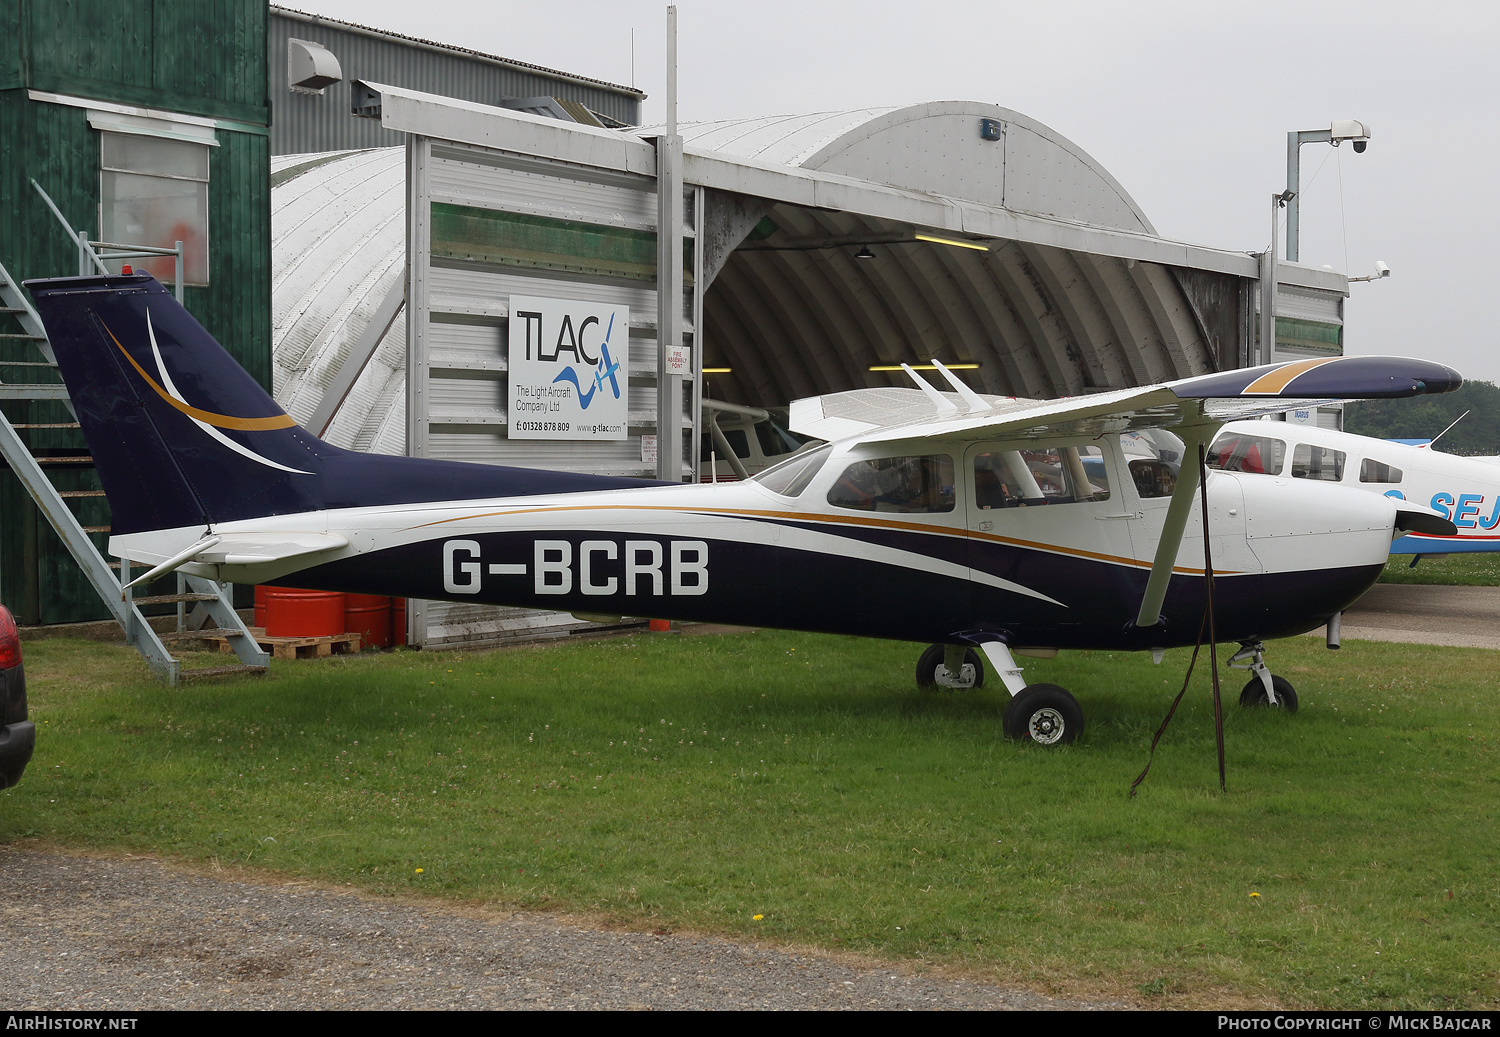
1153 458
904 485
1371 470
1255 455
1039 475
1319 463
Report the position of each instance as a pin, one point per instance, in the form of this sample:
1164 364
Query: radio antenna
1440 435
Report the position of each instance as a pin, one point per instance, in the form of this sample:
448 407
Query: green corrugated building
147 123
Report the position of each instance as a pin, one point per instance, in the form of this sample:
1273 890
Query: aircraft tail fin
182 435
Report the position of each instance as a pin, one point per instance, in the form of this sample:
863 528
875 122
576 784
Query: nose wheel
1255 694
1265 688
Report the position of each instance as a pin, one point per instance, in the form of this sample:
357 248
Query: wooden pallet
298 647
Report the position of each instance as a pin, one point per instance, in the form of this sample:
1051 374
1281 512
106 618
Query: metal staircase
213 613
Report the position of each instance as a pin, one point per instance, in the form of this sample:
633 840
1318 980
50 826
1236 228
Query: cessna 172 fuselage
979 524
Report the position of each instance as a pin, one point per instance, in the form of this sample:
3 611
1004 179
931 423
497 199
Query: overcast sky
1187 104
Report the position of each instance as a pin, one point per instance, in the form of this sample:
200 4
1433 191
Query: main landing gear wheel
1044 714
1255 693
932 674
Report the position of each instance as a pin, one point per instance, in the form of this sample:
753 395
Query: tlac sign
568 368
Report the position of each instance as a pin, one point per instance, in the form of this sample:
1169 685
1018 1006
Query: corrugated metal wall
204 59
459 316
307 122
339 249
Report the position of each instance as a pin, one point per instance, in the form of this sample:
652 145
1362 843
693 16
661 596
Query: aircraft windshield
791 477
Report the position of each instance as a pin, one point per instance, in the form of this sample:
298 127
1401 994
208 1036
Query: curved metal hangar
833 247
1019 254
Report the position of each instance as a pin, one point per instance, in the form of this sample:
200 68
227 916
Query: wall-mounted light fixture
864 253
926 367
951 241
717 370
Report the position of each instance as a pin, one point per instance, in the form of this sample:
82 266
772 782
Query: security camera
1381 270
1341 130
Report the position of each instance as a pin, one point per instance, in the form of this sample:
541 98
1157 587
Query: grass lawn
698 782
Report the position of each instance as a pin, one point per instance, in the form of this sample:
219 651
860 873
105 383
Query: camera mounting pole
1337 132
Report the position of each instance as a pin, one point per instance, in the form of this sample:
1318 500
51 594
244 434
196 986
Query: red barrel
369 616
299 613
260 606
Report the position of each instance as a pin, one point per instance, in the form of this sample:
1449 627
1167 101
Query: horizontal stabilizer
258 548
264 548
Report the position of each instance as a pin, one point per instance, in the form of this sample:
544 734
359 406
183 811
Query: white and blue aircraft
1465 490
985 526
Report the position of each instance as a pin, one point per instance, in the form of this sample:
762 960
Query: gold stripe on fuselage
850 520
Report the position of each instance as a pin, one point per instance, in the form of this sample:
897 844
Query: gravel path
83 933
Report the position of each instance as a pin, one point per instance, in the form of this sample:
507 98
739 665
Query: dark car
17 734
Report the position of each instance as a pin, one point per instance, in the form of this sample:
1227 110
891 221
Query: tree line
1422 417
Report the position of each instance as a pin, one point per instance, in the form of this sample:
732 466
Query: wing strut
1176 522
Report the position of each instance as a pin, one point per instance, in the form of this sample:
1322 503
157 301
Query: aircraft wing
883 415
843 414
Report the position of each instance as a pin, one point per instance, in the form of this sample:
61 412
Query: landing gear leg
1265 688
1004 666
1041 713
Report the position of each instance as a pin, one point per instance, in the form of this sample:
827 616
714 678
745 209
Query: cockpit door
1050 518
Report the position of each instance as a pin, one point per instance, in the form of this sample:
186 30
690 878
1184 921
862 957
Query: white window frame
193 132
